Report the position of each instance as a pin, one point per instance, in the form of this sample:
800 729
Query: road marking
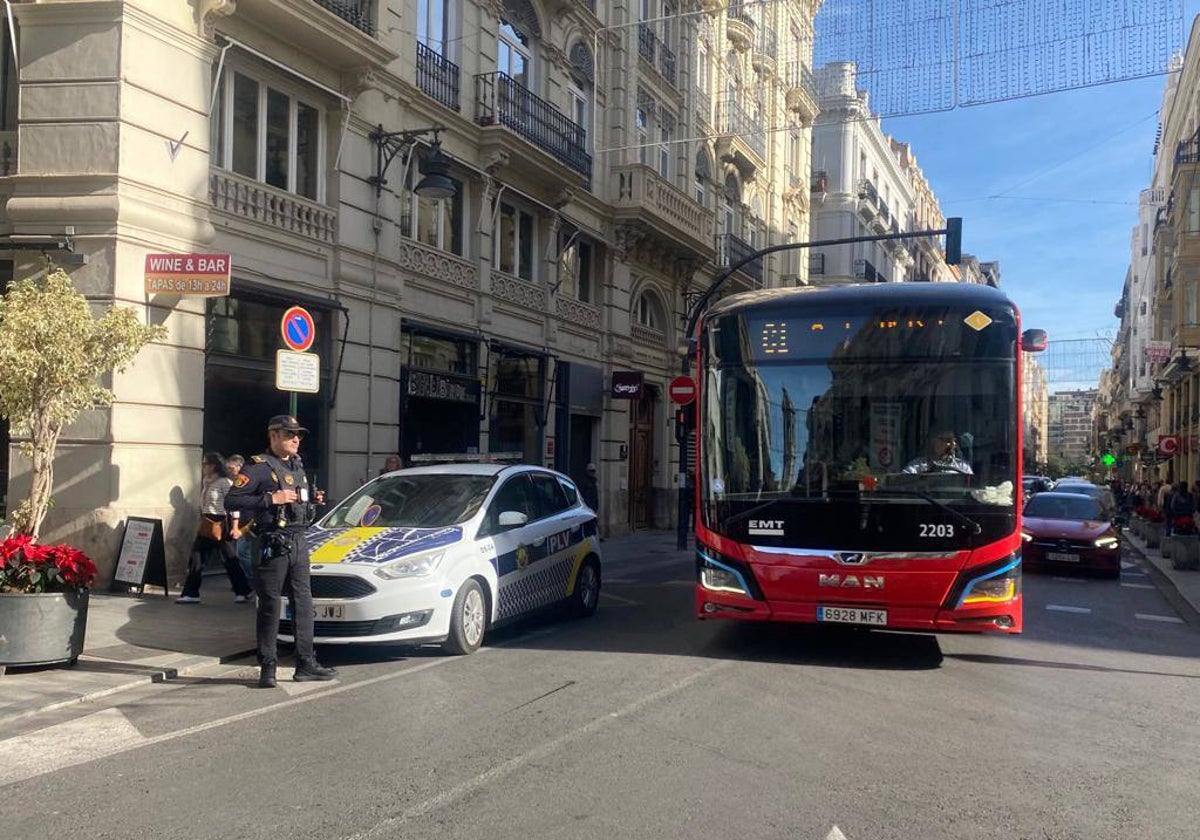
74 742
1071 580
1125 564
89 742
1138 585
619 599
1066 609
1166 619
634 566
835 833
386 826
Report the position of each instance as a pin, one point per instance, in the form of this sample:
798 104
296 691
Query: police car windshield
412 501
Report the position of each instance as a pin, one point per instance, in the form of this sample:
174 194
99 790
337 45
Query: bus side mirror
1033 341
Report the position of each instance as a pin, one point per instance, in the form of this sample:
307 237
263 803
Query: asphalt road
642 722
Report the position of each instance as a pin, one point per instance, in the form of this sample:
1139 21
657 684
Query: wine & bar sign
195 275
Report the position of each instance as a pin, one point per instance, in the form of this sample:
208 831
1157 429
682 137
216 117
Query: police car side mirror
512 519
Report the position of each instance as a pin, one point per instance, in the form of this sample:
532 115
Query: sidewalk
132 641
1182 589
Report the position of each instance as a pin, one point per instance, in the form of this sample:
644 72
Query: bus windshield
870 430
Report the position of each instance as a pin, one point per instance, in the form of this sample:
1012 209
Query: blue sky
1067 168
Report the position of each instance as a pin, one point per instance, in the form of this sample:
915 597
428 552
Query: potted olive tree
53 353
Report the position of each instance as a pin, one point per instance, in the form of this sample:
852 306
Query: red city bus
859 455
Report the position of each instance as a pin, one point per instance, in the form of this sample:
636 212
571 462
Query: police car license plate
321 612
852 615
1062 557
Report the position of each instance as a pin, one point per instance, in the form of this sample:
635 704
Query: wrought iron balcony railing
865 270
737 122
768 42
1188 151
738 12
501 100
732 249
816 263
656 52
437 76
867 192
357 13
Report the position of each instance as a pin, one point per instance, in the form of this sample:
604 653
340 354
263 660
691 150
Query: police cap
285 423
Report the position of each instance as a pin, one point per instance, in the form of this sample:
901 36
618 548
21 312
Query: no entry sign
298 329
682 390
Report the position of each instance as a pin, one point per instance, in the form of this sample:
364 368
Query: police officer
272 492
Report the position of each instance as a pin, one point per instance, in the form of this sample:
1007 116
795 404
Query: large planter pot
1154 534
1185 553
42 629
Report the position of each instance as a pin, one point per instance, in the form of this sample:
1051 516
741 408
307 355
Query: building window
576 267
664 150
649 312
268 135
515 241
434 222
581 112
517 408
433 25
643 135
513 55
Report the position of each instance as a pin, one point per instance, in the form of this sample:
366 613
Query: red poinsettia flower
31 568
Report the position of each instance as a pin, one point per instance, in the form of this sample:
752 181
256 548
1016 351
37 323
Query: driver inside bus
942 457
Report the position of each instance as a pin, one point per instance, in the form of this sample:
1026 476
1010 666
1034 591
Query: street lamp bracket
389 144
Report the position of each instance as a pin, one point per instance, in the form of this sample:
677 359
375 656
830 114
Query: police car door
513 545
563 536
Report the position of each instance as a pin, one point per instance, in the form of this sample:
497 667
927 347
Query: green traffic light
1108 460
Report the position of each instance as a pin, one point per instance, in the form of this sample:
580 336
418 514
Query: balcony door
513 56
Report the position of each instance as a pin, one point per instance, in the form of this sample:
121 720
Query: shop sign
196 275
431 386
1158 351
627 384
1168 445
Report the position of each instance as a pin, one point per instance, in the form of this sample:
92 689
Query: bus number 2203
933 531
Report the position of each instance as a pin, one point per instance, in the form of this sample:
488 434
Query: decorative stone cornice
209 10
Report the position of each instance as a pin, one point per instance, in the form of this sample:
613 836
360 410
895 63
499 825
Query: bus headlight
996 587
718 577
1107 542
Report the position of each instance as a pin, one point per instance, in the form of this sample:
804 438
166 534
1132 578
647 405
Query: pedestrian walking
239 534
391 463
272 492
212 534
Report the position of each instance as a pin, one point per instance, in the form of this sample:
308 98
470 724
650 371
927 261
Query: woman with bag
213 534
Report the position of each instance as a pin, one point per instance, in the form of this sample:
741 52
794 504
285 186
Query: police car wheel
586 596
468 620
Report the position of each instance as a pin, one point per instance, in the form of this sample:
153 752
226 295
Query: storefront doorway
439 395
641 459
518 407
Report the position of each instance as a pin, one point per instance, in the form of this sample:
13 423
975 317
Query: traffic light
683 423
953 240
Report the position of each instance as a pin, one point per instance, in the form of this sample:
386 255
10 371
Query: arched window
649 312
703 175
519 29
731 205
579 91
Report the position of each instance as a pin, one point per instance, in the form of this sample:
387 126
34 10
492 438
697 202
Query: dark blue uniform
278 548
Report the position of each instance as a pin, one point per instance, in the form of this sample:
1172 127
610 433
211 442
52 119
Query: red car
1069 530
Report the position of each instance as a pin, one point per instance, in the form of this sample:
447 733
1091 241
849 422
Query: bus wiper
963 519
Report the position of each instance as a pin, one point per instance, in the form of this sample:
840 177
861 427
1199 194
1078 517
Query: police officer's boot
266 675
309 670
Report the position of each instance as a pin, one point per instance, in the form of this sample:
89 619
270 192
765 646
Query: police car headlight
418 565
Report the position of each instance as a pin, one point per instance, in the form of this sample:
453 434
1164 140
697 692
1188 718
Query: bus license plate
852 615
1062 557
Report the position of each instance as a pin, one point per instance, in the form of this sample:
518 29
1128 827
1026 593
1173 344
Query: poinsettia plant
27 567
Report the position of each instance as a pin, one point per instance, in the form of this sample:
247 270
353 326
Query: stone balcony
644 196
254 201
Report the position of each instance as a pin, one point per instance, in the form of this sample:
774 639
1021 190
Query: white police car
437 555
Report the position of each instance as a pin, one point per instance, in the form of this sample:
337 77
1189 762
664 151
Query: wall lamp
435 182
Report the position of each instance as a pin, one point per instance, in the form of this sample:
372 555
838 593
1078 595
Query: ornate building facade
594 197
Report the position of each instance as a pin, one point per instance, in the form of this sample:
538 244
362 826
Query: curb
1181 605
153 675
